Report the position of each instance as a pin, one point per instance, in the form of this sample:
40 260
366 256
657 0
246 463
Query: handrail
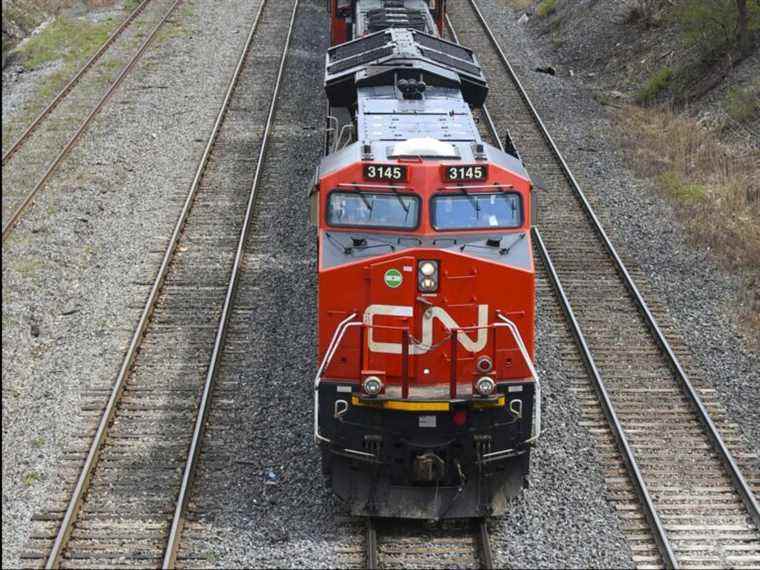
536 431
347 323
337 337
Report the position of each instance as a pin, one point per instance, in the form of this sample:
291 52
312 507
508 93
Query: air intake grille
451 61
360 59
445 47
383 18
363 45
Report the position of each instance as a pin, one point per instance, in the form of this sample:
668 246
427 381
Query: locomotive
426 398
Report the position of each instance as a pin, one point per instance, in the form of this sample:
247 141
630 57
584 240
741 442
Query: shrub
644 12
656 85
711 25
546 7
713 187
743 104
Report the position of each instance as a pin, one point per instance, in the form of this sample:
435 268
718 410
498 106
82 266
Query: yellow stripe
417 406
498 403
404 405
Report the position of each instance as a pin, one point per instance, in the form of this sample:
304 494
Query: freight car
426 400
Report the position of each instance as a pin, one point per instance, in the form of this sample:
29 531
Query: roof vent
426 147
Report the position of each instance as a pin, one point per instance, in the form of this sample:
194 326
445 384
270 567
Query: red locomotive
426 397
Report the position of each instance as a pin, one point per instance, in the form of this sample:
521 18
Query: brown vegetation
714 186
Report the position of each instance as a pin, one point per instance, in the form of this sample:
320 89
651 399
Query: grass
29 266
30 478
38 442
743 105
519 4
65 39
656 84
546 8
714 188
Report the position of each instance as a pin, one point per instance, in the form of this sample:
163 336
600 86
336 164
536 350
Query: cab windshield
374 210
476 211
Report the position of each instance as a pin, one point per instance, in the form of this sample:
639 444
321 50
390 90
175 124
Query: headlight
428 268
427 276
372 385
485 386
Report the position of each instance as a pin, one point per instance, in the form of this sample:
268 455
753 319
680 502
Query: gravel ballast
565 518
260 475
259 499
76 270
699 296
75 274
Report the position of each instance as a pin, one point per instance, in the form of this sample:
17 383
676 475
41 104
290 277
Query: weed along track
130 481
43 146
665 438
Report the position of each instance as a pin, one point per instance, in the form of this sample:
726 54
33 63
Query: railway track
410 544
38 152
674 463
131 479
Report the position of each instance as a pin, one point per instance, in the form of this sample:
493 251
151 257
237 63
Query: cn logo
426 342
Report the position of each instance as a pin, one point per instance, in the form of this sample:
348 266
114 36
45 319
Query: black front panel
397 439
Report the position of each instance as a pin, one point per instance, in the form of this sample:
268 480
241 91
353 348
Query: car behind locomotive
426 397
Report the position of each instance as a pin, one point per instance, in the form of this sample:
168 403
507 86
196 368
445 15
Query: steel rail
632 466
660 536
73 81
88 468
8 227
175 533
486 552
371 544
745 492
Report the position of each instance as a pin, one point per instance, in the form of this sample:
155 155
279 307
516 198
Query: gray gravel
701 297
259 499
565 519
75 271
31 160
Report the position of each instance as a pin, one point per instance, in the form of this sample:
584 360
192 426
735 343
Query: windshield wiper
494 243
366 202
400 200
472 199
358 243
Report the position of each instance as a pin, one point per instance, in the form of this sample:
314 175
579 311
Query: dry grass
519 4
715 189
